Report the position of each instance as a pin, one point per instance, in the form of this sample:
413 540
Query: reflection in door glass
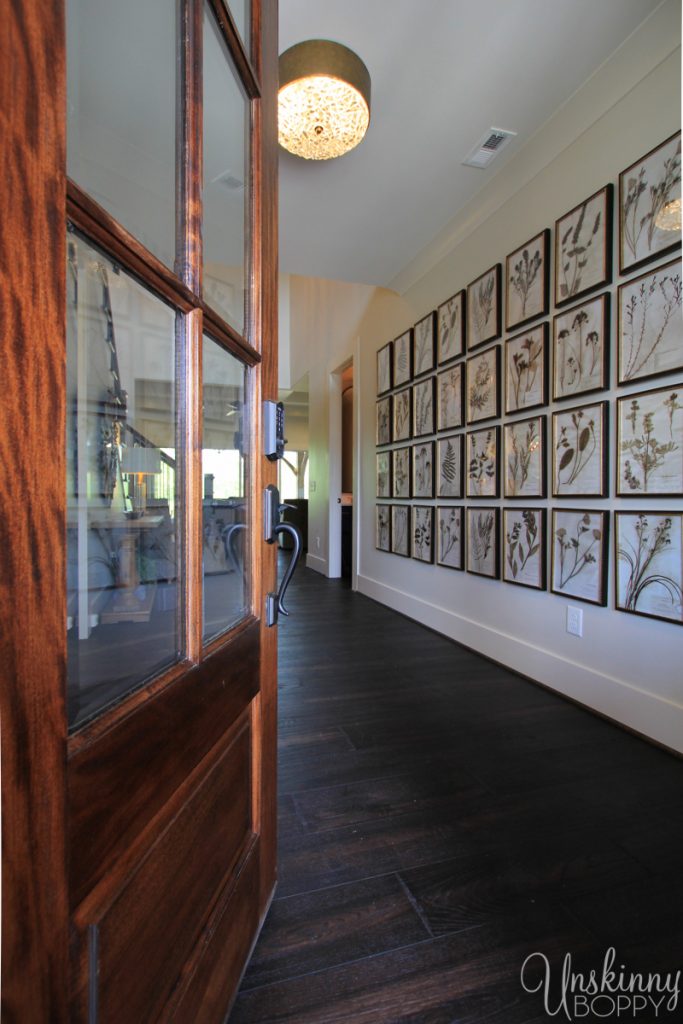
225 437
122 569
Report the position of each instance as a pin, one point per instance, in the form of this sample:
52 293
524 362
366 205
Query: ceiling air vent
488 147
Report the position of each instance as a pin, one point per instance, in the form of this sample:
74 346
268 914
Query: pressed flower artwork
423 345
383 474
579 554
580 451
423 470
482 463
650 335
645 189
402 358
483 385
450 536
383 429
526 369
483 308
400 466
450 475
402 415
384 369
423 407
482 541
450 338
526 281
524 458
383 527
400 530
650 564
449 413
650 443
524 547
581 348
423 533
583 247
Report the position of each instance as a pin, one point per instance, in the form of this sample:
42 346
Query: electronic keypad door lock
272 528
274 439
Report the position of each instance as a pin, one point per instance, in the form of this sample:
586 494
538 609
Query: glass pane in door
241 13
122 522
225 539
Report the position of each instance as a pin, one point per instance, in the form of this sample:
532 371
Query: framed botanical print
423 407
526 369
450 536
650 443
483 448
646 188
449 388
524 547
650 332
524 458
383 427
649 564
383 476
400 530
424 334
583 247
449 478
403 358
422 546
383 527
400 472
483 385
384 368
423 469
581 345
580 452
484 317
527 275
450 328
579 554
482 541
402 415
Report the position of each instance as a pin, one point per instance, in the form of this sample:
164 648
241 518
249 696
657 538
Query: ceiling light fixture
669 217
324 99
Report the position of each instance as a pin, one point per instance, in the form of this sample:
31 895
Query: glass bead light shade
324 100
669 217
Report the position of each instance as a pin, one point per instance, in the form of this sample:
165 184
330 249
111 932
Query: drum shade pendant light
324 99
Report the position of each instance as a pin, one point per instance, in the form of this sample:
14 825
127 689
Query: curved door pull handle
229 538
289 572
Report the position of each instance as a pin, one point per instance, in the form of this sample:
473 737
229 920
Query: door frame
335 456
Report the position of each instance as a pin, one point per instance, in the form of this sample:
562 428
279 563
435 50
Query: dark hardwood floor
442 819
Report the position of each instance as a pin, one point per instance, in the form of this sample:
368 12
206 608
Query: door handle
229 539
295 534
273 527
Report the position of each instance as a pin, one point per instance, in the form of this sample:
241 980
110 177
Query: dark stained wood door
138 693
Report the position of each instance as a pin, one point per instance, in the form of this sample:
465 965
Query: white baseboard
316 563
655 717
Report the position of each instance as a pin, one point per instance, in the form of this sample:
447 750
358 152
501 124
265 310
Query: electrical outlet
575 621
317 543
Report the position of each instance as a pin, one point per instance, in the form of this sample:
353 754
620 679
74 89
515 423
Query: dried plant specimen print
423 345
580 451
526 374
650 336
384 369
383 527
583 247
423 407
400 465
423 533
402 415
483 308
449 398
579 552
450 475
400 530
482 541
581 348
526 281
483 389
645 189
450 536
650 443
402 358
650 564
524 547
383 474
423 470
451 328
524 456
482 463
383 428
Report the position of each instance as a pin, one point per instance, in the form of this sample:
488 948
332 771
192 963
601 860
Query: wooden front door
139 315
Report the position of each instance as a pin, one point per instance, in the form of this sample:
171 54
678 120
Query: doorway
343 474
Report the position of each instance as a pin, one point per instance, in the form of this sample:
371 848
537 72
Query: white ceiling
443 72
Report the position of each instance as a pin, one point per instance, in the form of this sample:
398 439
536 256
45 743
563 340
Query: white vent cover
488 147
